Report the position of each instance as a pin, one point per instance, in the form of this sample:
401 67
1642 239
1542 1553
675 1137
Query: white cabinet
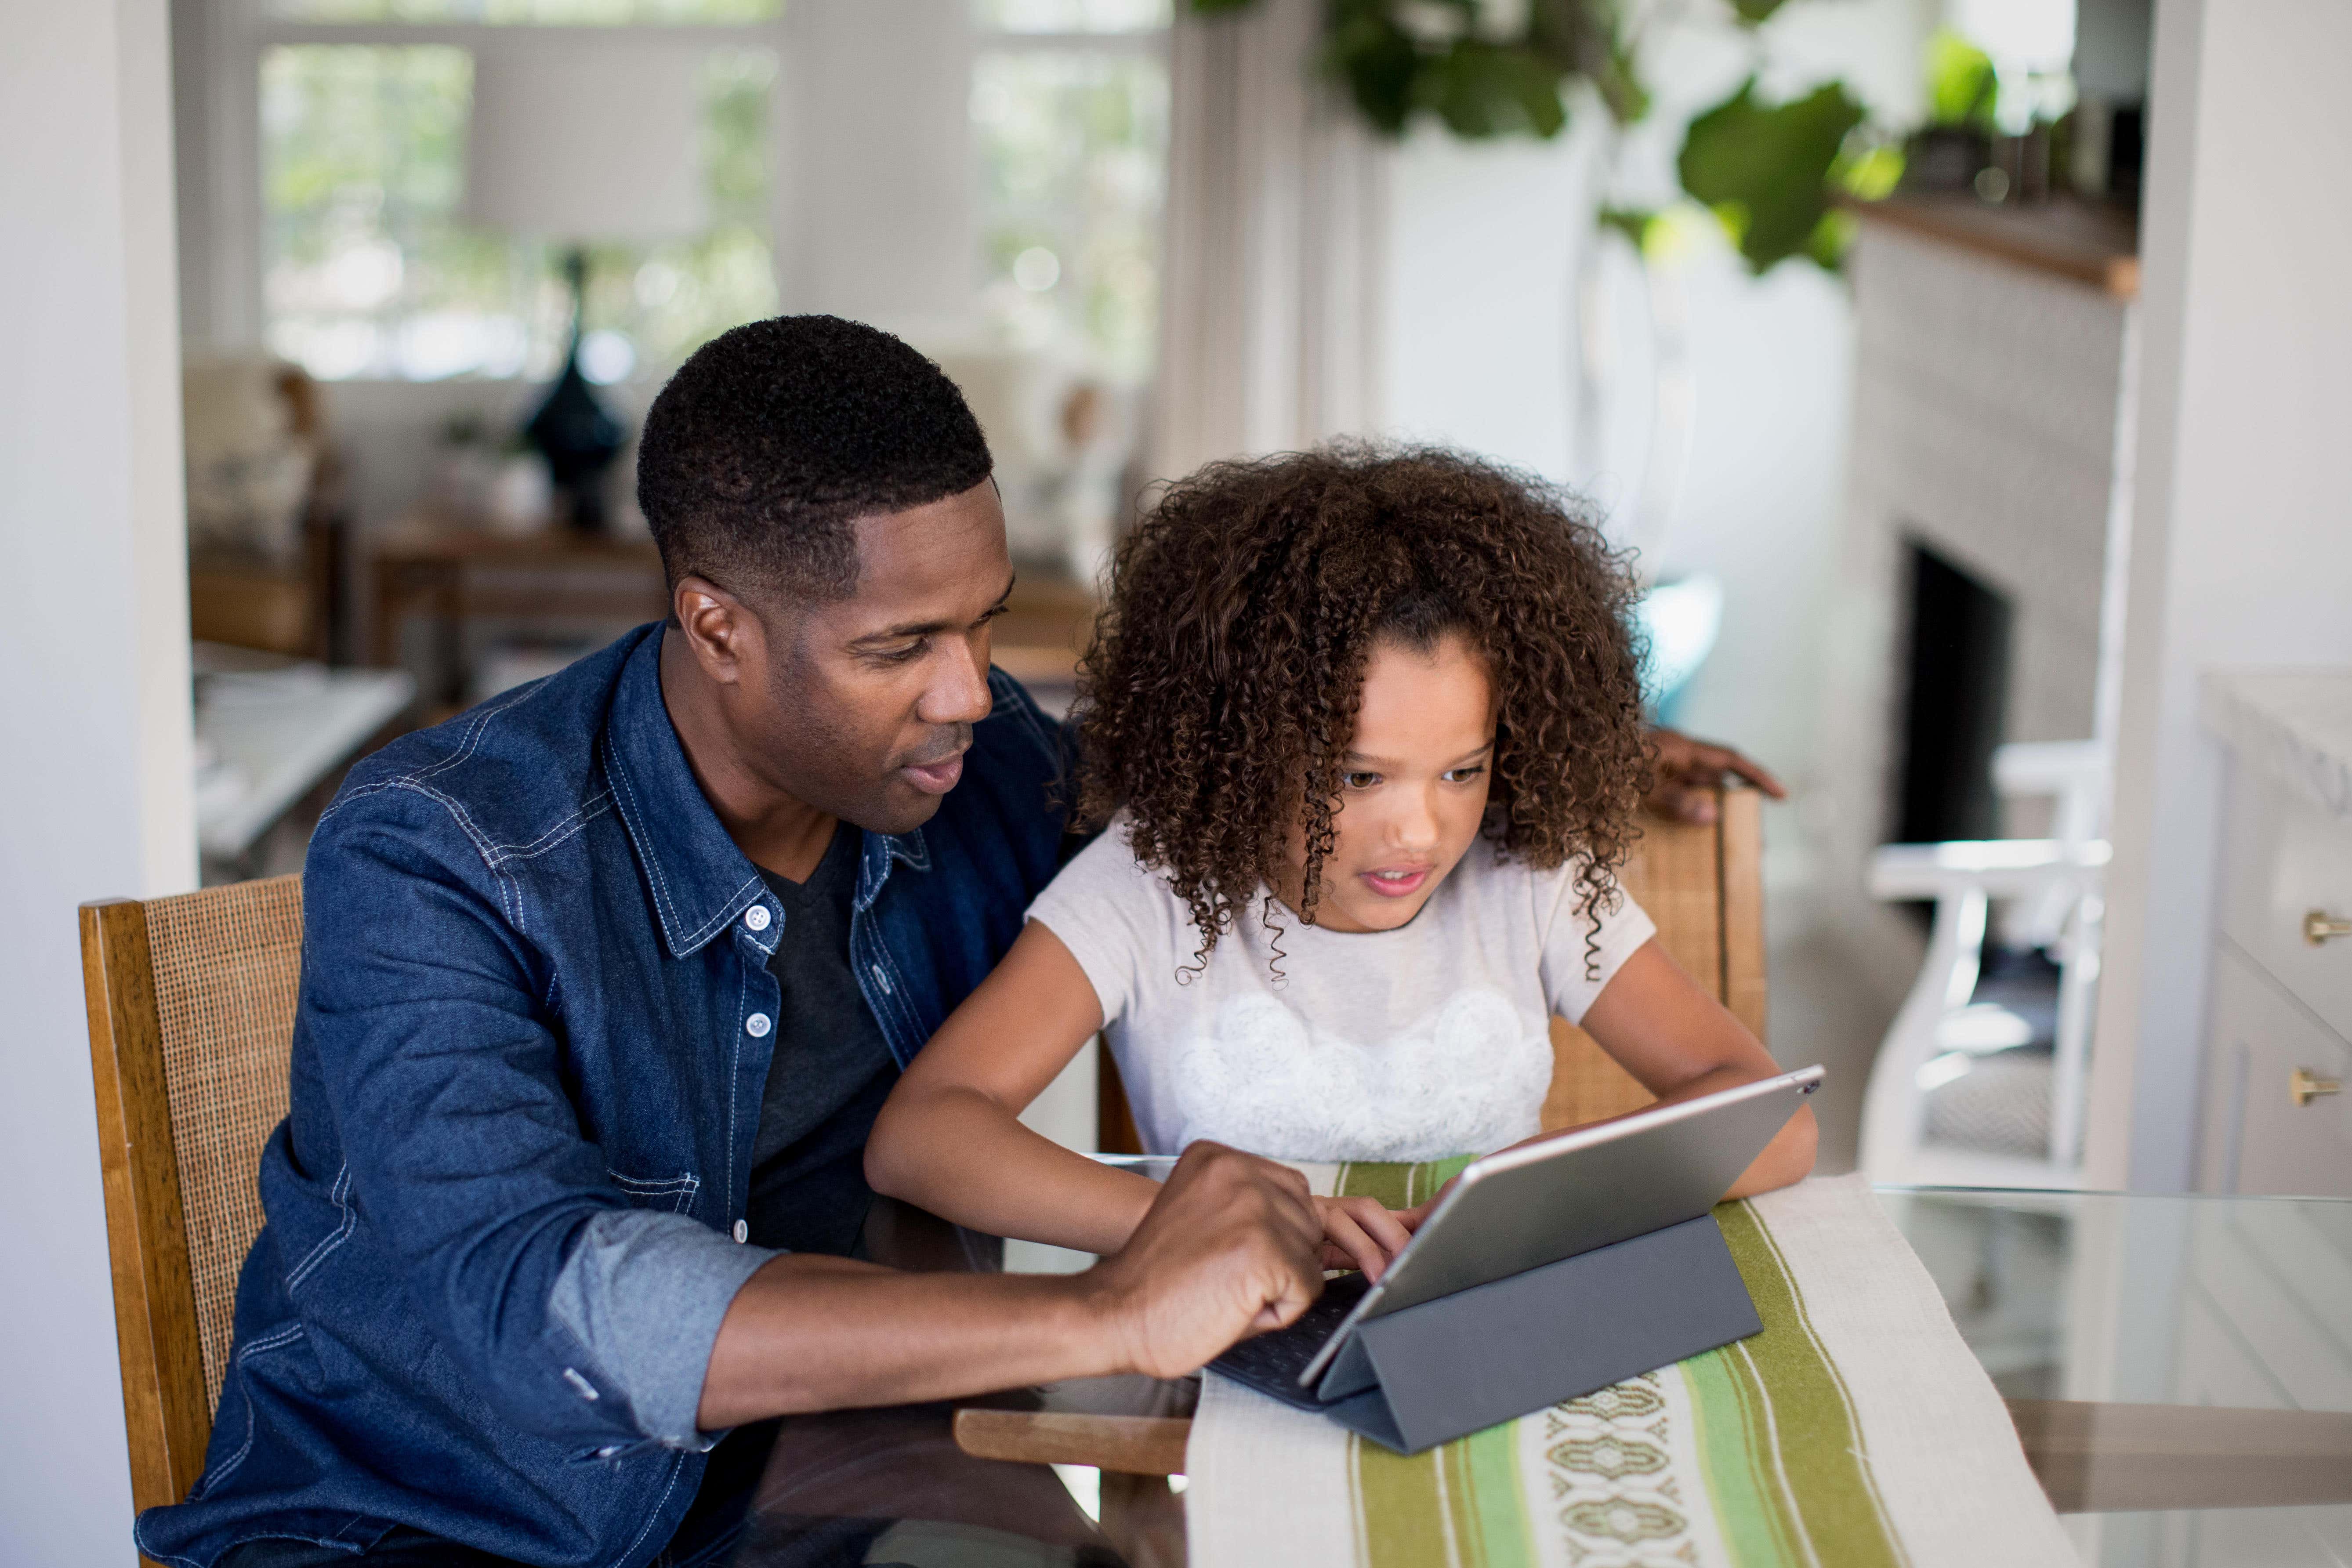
2278 1059
2259 1136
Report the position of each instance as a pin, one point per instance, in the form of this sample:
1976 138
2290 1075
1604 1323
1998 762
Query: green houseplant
1768 171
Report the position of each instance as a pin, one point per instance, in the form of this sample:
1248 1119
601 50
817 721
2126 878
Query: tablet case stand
1458 1364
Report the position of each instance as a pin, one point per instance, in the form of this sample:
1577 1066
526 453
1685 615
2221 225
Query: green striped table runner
1856 1431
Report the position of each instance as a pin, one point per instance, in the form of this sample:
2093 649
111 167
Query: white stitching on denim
726 915
337 1193
139 1538
629 807
593 808
474 735
735 1071
474 836
509 893
676 1461
891 1006
916 853
683 1187
211 1479
671 919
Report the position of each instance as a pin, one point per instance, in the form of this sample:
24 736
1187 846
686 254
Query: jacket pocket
675 1194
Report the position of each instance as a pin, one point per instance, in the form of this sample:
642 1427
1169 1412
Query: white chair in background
2055 887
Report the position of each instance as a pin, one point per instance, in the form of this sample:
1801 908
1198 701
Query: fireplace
1967 608
1955 703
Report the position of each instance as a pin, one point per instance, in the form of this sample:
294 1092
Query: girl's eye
1463 775
1360 781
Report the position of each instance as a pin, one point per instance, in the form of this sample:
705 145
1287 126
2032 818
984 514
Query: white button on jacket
758 1026
756 917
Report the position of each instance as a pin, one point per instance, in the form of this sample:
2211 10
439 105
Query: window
1071 15
1069 110
368 268
545 13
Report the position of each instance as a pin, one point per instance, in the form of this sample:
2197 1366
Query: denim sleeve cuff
643 1293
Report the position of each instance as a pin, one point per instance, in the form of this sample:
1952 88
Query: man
603 984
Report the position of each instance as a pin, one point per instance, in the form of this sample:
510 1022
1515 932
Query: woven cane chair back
1703 883
191 1017
1703 886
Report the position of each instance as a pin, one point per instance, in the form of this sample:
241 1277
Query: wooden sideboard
448 574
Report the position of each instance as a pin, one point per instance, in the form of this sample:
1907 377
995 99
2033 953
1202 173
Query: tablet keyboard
1275 1360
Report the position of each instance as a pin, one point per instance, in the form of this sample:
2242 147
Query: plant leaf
1634 223
1773 161
1961 85
1754 13
1378 60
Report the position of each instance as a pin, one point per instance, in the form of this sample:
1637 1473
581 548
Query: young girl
1365 730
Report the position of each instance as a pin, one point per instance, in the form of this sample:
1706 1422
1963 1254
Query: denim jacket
503 1211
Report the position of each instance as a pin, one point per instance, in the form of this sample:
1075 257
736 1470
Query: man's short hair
776 436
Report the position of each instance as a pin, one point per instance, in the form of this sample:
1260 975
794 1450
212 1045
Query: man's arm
575 1314
1688 771
581 1316
1232 1245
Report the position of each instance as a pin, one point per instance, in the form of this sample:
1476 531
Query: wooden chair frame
164 1404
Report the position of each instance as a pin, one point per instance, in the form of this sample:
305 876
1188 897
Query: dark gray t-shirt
831 1073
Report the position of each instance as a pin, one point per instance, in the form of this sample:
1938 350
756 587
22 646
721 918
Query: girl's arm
1682 1043
950 1137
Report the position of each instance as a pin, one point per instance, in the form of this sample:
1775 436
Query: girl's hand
1358 1233
1410 1219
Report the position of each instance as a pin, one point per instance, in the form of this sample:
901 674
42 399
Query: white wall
2242 548
96 799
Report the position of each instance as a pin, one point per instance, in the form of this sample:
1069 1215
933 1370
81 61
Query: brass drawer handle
2306 1087
2319 926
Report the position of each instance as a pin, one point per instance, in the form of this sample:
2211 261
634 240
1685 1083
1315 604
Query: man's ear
726 635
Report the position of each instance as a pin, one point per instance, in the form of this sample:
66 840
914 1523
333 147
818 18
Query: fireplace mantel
2087 242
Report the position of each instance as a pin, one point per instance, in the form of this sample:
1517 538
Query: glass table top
2179 1369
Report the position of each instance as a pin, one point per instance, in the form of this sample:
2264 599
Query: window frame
1150 42
237 33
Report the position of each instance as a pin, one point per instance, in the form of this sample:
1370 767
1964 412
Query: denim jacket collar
700 880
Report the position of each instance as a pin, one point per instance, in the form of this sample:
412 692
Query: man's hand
1688 771
1232 1246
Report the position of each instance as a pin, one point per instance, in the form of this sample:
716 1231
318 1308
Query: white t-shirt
1414 1044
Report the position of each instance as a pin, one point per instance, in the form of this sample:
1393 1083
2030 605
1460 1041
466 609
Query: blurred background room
1961 376
437 256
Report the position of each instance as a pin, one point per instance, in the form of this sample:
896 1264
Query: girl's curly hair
1220 696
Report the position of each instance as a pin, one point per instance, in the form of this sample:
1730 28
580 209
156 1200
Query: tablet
1554 1197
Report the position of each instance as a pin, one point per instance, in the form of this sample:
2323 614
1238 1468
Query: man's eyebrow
929 628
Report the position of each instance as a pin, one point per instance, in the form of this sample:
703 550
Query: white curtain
1273 284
